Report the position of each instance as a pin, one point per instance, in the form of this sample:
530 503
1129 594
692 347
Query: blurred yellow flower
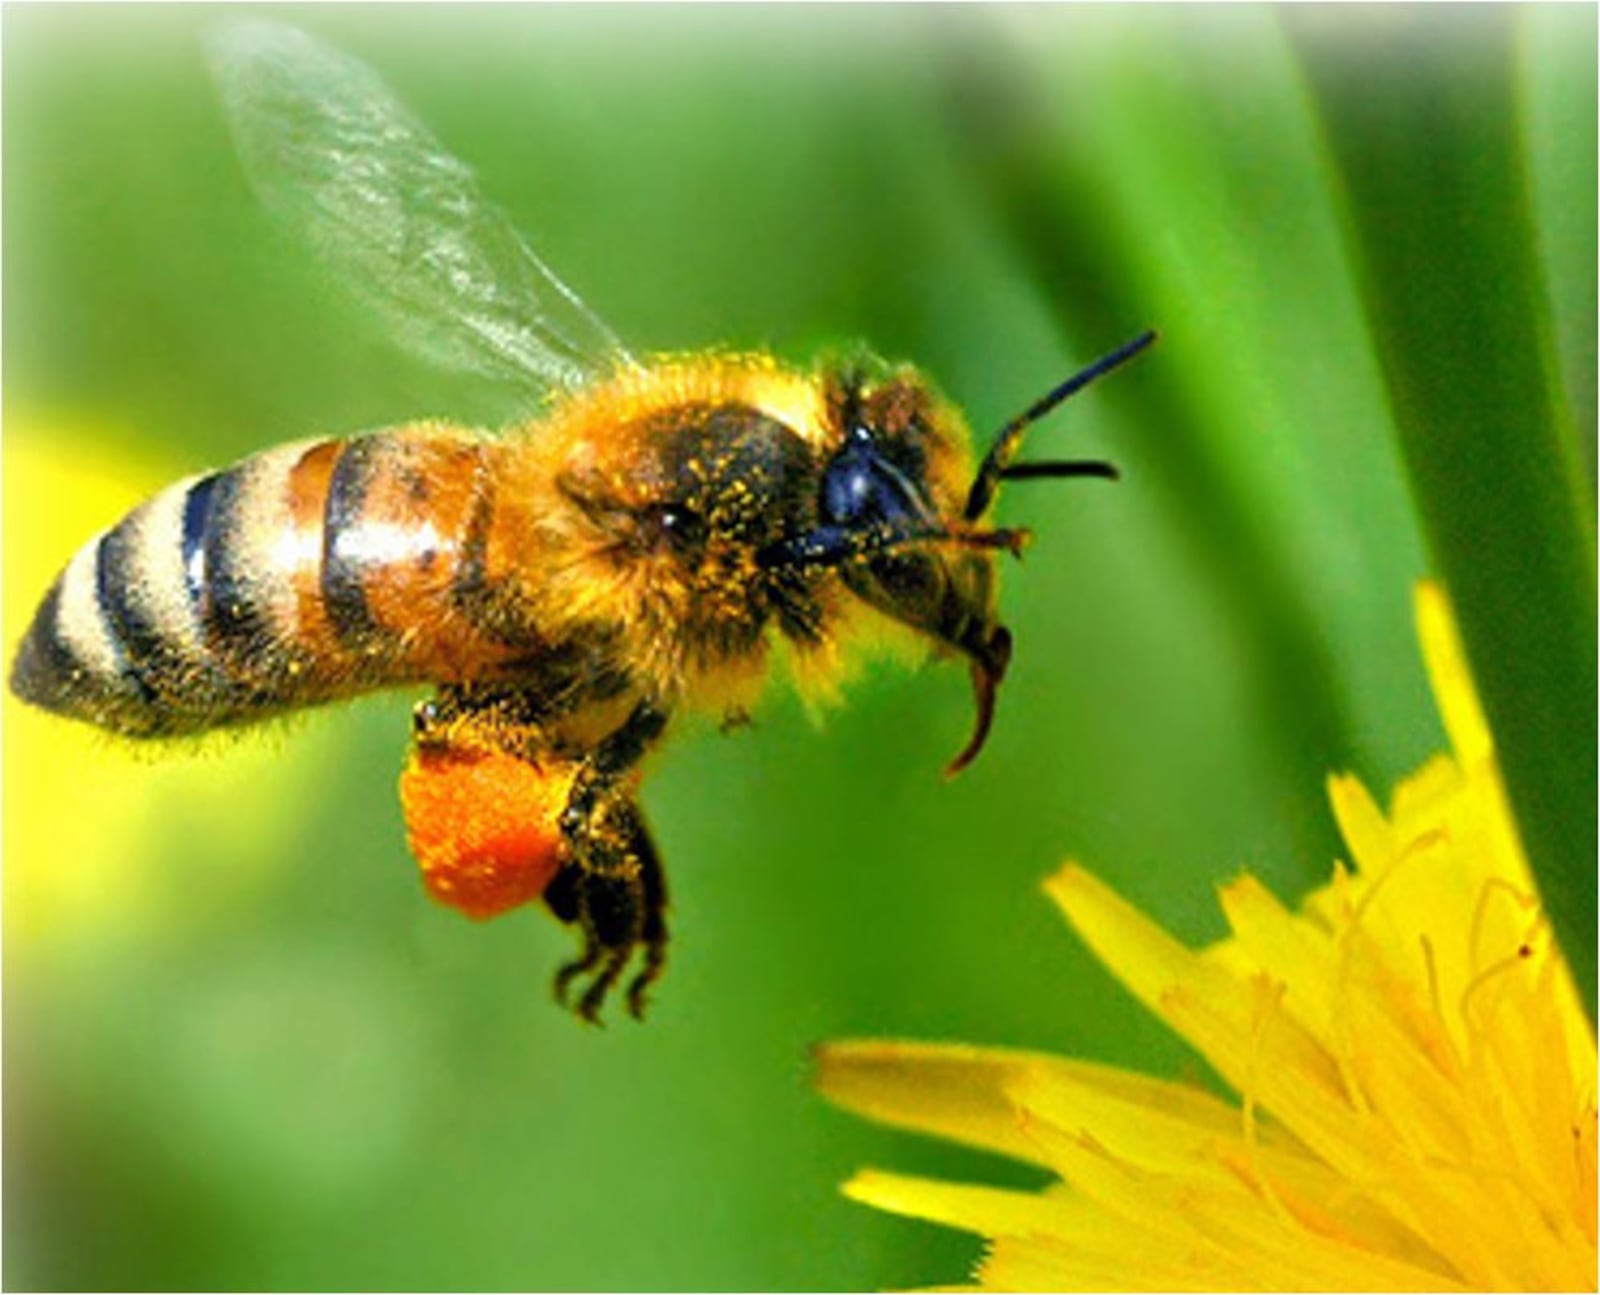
1415 1071
89 819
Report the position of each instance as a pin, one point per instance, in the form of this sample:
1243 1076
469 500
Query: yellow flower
90 821
1415 1071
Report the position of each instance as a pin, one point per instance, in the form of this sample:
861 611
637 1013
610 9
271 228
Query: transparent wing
398 219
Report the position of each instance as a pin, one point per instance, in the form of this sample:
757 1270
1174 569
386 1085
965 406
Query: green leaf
1426 127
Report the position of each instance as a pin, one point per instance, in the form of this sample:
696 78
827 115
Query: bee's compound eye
847 489
862 488
424 717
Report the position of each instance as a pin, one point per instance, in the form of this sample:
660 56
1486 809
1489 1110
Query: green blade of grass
1425 127
1144 181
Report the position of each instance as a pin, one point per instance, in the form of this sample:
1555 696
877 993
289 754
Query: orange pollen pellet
484 827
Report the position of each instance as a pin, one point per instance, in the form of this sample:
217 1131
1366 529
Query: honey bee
635 549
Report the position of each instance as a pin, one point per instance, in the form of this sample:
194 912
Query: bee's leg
564 898
607 841
826 547
609 884
616 754
653 931
611 913
593 952
615 914
463 717
613 890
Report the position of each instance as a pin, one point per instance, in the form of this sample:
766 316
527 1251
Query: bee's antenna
996 466
1054 469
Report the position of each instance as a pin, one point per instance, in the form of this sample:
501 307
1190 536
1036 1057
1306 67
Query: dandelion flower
1414 1069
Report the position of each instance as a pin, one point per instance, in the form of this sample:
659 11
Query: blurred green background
244 1051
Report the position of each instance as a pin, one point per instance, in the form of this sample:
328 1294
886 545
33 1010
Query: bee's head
900 510
902 471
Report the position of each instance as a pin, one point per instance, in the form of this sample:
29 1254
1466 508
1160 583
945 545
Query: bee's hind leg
653 933
564 898
616 916
613 890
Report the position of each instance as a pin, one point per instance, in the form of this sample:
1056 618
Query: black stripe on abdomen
239 629
196 517
486 605
353 551
344 560
71 663
155 667
145 591
47 672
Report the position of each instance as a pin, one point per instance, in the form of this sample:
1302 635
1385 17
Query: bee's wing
398 219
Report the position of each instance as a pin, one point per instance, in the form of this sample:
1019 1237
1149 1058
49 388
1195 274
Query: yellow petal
1453 690
1230 1235
954 1091
1234 1021
991 1211
1138 952
1294 950
1162 1125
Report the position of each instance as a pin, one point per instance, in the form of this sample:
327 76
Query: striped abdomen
313 571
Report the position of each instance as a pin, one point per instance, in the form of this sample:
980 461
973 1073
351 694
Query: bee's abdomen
313 571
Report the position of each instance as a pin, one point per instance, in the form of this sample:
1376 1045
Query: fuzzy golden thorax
663 495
